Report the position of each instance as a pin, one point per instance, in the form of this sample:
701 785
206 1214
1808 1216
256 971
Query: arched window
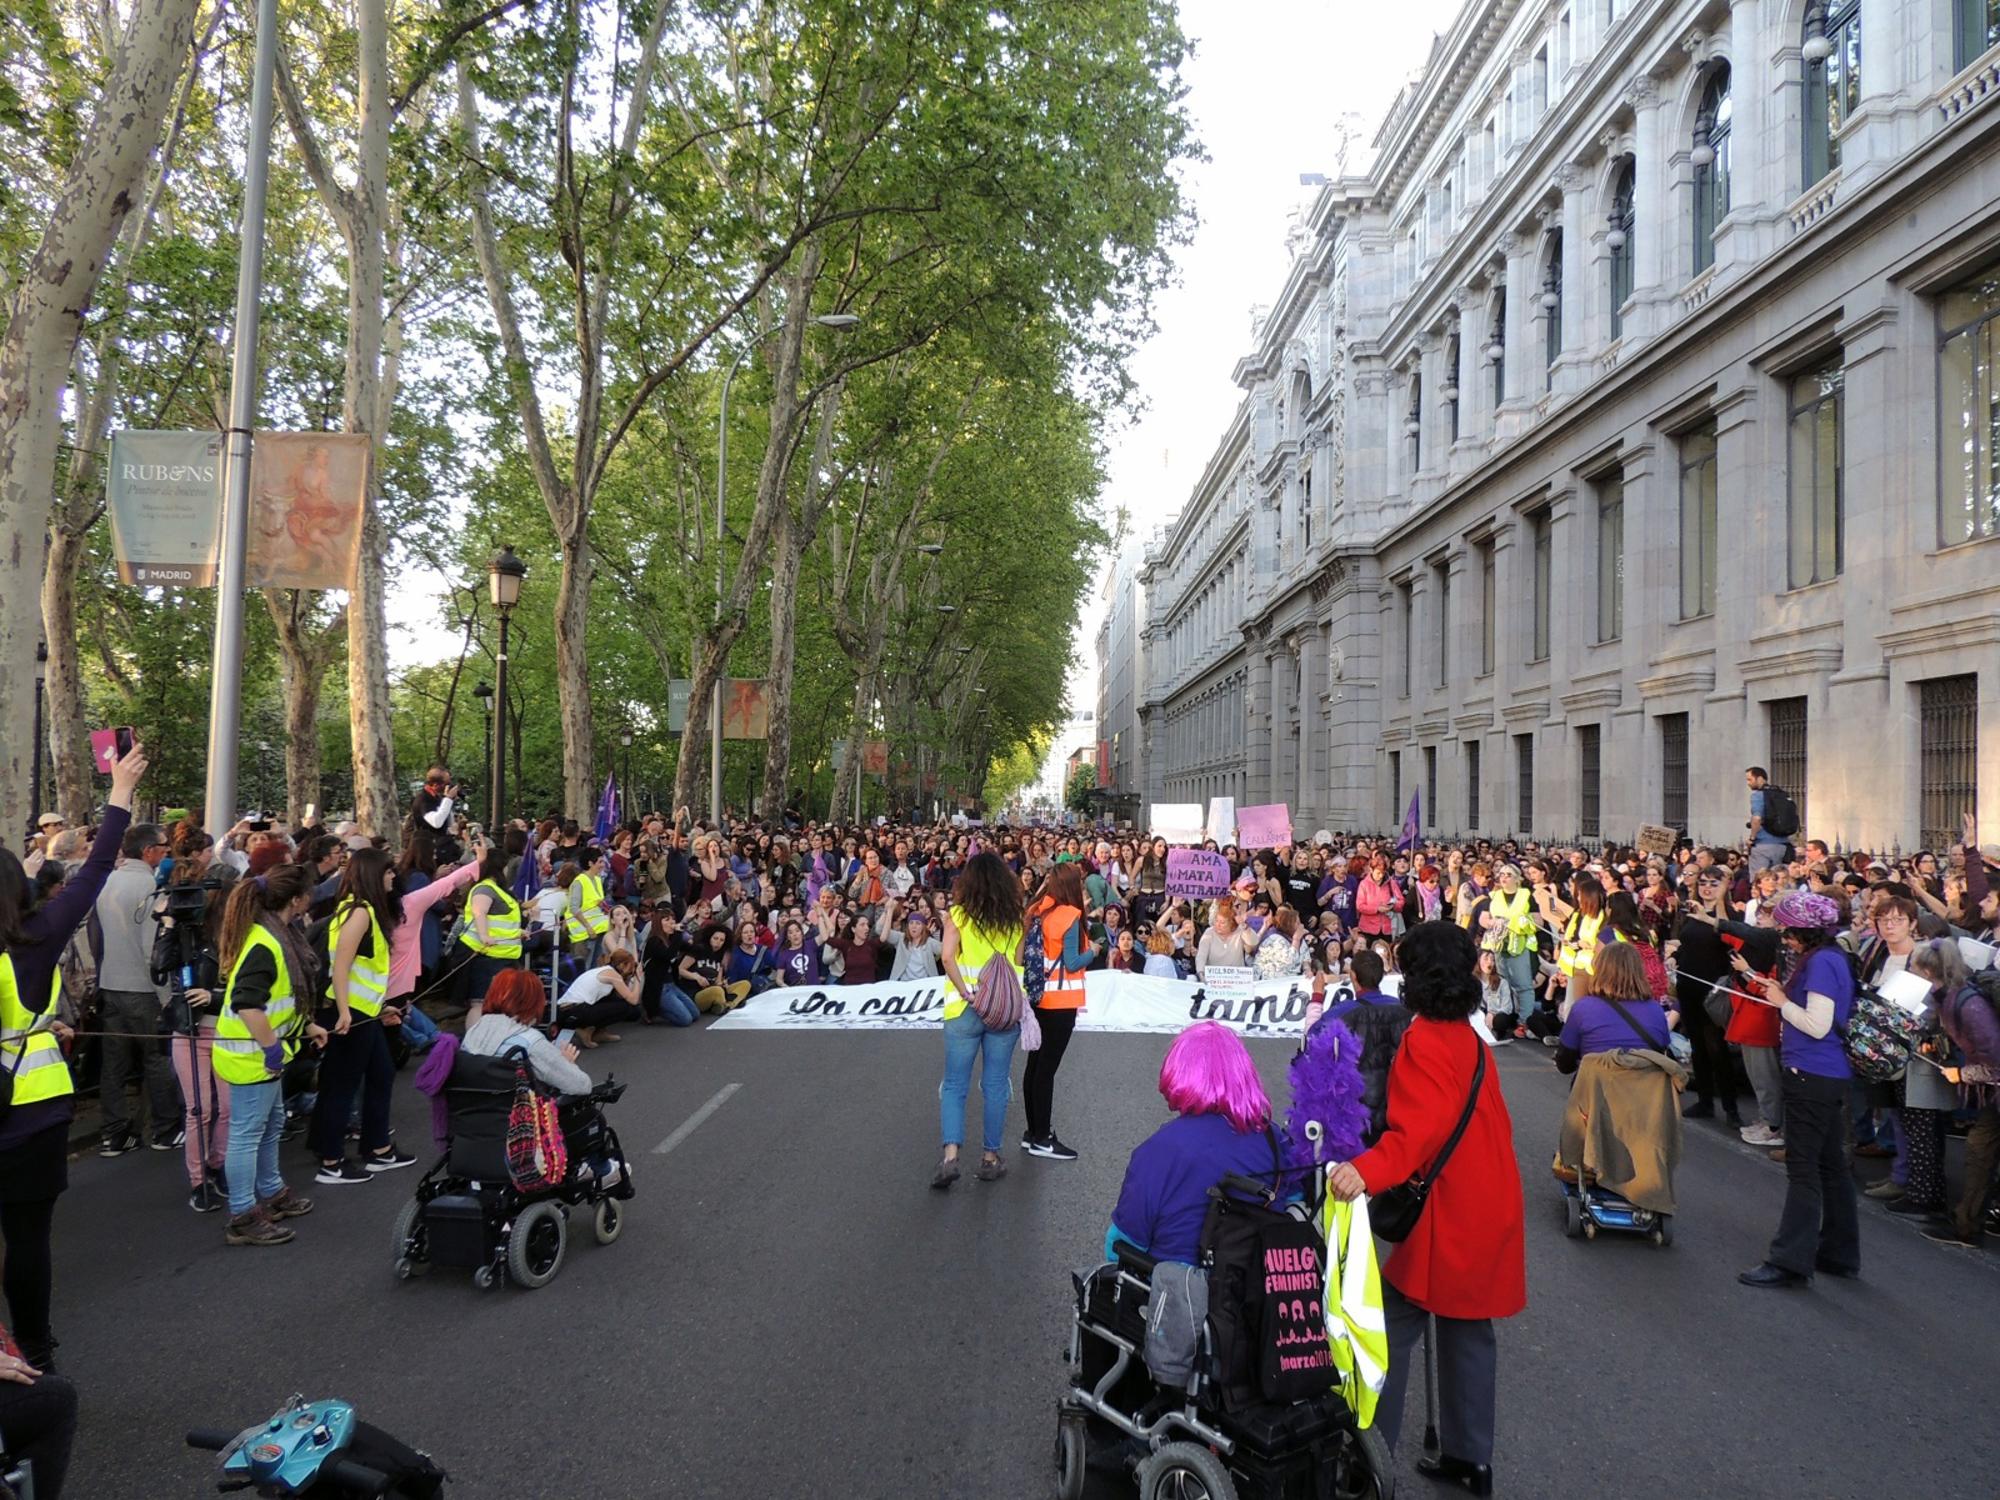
1976 26
1711 166
1413 425
1618 240
1496 346
1552 301
1448 386
1832 60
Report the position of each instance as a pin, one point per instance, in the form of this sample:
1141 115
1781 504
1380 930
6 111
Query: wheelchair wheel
1367 1470
1572 1217
1072 1435
536 1243
606 1223
412 1247
1185 1471
1663 1232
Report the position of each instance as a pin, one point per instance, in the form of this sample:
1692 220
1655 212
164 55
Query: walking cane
1432 1450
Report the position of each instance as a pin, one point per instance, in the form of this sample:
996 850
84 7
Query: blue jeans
965 1038
419 1030
1517 970
256 1115
676 1009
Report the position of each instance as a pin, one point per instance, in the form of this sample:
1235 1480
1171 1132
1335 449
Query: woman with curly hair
1464 1263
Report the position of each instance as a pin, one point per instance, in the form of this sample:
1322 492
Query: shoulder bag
1393 1214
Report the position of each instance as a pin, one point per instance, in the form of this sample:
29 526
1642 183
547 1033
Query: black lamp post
484 693
625 771
41 670
503 576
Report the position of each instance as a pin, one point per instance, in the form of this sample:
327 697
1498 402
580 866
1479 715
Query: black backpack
1243 1228
1781 813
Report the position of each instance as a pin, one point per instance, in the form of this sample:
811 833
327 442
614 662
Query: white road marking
694 1121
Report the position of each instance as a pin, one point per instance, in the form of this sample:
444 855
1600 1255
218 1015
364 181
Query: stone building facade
1632 419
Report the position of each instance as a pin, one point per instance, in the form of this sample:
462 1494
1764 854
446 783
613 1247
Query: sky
1268 86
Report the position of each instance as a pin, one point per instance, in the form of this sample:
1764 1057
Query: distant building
1121 674
1631 420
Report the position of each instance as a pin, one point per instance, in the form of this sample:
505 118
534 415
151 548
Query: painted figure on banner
746 714
307 490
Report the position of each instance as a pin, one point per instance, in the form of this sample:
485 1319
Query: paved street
791 1313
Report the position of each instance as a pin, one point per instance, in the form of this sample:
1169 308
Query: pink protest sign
1196 874
1265 827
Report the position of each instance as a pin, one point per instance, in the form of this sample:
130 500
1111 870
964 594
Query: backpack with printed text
1781 813
1034 963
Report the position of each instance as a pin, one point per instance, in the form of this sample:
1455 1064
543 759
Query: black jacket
1379 1029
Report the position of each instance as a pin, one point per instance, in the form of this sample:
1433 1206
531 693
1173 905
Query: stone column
1654 221
1521 357
1257 719
1307 796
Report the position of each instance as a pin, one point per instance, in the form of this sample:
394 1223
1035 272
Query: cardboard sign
1656 838
1196 874
1177 822
1268 826
1222 819
1227 982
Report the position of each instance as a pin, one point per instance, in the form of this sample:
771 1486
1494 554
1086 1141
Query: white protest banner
1227 982
1222 819
1196 874
1113 1001
1177 822
1268 826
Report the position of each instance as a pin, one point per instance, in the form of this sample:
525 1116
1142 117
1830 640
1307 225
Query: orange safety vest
1064 990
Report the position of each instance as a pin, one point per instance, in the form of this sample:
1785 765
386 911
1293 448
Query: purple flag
528 879
607 810
1409 838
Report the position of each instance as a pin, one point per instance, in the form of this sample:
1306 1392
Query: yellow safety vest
34 1058
503 923
238 1057
593 921
975 947
368 980
1519 924
1357 1330
1579 943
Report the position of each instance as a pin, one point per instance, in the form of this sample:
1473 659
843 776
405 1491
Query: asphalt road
790 1311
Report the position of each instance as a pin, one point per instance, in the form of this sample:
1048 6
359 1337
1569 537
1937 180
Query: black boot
1474 1479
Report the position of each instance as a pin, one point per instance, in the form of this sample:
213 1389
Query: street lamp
625 773
824 320
503 580
484 693
41 671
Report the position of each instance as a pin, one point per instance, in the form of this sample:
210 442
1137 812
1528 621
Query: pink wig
1208 1072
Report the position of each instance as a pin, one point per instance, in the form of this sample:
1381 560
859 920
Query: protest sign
1268 826
1222 819
1196 874
1227 982
1177 822
1113 1001
164 493
1656 838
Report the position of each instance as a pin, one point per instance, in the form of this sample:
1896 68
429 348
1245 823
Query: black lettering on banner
1253 1012
817 1003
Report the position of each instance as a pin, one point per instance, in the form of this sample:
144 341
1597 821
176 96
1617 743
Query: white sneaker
1761 1134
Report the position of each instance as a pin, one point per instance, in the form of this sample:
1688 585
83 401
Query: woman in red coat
1465 1262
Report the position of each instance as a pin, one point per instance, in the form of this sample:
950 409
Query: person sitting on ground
1124 955
915 942
1160 956
599 997
1221 1124
701 972
863 957
1281 952
510 1025
1619 1010
748 960
797 958
1224 945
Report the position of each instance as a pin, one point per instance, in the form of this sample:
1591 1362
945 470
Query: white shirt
588 987
549 902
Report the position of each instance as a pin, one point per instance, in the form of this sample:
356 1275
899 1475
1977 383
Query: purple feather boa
1326 1086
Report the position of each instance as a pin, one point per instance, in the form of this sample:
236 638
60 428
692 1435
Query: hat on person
47 818
1805 909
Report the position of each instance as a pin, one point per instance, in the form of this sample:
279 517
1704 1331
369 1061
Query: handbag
1879 1037
537 1153
1394 1213
997 999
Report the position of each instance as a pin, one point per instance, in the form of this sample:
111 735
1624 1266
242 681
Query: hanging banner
679 690
1177 822
1196 874
746 709
1113 1001
308 491
1222 819
875 757
1268 826
164 492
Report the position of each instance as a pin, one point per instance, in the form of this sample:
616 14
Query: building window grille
1674 771
1947 762
1590 745
1788 748
1430 787
1542 548
1524 782
1396 783
1472 786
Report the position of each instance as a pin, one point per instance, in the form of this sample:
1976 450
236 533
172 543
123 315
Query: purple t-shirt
1823 971
1165 1196
1594 1025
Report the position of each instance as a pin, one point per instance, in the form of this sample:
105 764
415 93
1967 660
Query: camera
189 961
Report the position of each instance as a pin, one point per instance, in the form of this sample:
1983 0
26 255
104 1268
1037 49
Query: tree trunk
785 557
573 678
68 736
301 677
44 320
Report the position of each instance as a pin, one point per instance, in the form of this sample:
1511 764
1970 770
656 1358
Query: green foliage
1077 790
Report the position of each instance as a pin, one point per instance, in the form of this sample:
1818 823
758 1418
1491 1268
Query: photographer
187 960
128 1004
430 815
